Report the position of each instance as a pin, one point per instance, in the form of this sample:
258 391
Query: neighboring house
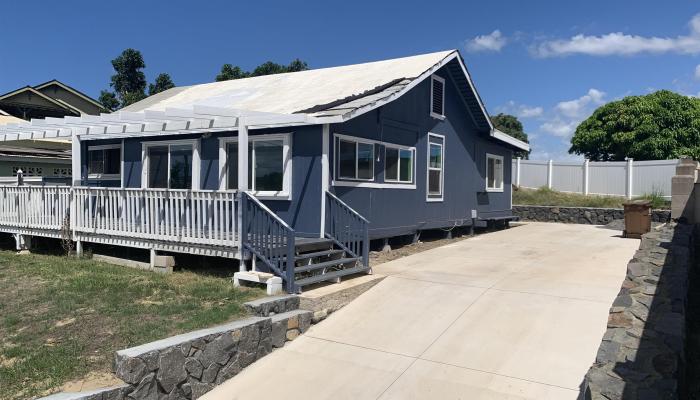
41 161
311 163
49 99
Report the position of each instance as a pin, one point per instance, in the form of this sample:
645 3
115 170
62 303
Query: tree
509 124
660 125
229 72
162 83
108 100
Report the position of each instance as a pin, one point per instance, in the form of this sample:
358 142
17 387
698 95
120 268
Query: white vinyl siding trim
435 197
494 166
437 97
104 176
286 192
196 160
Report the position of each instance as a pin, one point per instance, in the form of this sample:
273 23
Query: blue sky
549 62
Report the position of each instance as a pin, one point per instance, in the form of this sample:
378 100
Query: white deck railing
183 216
34 207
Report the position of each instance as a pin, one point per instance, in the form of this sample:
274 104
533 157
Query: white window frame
356 140
398 166
113 177
486 176
428 196
433 114
196 161
286 193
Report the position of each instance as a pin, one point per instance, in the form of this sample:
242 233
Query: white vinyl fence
615 178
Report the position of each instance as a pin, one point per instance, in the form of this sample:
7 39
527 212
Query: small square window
355 159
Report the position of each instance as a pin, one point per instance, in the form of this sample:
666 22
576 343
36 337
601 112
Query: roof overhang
506 138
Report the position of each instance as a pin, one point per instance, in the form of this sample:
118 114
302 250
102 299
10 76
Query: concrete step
331 275
325 264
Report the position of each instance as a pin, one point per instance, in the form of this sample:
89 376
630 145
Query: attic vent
437 97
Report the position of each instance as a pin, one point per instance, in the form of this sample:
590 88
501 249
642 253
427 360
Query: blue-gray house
263 168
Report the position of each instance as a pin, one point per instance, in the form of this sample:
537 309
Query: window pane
406 173
435 156
499 173
346 159
365 161
269 165
96 162
158 167
232 165
112 161
434 181
181 167
391 167
490 173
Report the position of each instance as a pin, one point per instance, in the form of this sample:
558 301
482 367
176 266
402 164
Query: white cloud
494 41
576 108
618 43
560 128
520 110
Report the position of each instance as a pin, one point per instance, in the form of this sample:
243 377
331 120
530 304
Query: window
494 173
436 166
104 162
269 166
170 166
437 97
355 159
398 164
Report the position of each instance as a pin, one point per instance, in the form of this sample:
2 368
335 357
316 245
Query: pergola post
242 182
77 170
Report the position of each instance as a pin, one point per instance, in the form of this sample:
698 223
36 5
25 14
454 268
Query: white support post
630 165
517 172
550 165
324 175
585 176
77 171
242 183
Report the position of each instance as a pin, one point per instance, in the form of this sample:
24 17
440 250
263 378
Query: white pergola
149 123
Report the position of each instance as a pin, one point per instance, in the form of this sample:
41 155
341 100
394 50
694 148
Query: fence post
517 172
585 177
628 192
550 165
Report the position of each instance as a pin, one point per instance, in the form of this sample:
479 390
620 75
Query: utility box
637 218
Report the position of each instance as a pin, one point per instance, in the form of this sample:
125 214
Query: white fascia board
504 137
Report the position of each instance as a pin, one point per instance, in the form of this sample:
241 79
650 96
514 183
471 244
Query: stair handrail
349 242
265 243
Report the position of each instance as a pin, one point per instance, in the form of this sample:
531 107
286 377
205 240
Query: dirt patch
93 380
401 249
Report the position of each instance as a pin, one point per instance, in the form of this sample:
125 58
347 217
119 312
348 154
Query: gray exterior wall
406 121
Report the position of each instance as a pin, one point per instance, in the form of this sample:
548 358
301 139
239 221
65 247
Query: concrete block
681 184
273 283
164 261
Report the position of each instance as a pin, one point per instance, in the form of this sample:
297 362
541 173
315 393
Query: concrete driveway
515 314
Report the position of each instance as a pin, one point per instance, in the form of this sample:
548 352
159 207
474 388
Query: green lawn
63 317
548 197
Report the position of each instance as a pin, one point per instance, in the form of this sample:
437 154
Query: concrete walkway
515 314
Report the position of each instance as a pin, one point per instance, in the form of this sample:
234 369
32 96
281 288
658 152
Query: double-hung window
398 164
104 162
436 167
355 159
269 164
170 165
494 173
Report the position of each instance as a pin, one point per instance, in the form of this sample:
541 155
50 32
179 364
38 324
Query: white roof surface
293 92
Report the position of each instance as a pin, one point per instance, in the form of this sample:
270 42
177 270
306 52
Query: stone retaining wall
642 352
580 215
189 365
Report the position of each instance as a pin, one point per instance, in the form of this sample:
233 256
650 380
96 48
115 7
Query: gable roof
54 102
56 82
336 93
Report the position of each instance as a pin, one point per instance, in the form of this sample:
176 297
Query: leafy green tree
108 100
162 83
509 124
129 81
660 125
229 72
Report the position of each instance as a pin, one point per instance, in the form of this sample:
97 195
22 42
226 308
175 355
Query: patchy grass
548 197
61 318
